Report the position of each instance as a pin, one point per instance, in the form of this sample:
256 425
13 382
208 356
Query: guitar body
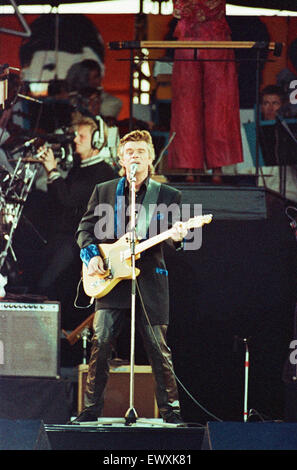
119 267
117 259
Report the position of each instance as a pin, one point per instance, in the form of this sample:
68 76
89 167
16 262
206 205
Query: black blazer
153 277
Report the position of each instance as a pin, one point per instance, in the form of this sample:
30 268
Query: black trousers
107 326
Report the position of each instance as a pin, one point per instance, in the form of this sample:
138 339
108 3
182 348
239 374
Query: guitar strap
147 208
119 209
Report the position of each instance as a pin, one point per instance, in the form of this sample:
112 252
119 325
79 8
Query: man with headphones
68 199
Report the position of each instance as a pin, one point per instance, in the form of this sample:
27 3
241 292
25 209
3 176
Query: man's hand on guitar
96 266
178 231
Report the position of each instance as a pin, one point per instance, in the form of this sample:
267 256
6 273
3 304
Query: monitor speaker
271 435
29 339
19 434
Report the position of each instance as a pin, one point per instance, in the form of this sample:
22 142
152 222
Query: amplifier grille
29 339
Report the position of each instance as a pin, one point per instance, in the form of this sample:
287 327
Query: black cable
77 295
177 379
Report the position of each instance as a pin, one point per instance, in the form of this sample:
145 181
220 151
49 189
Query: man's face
94 79
94 104
270 105
136 152
82 141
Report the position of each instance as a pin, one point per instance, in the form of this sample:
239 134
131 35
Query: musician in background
205 101
88 74
69 197
111 310
275 106
272 99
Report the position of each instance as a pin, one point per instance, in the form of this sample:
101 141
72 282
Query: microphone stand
131 414
246 380
283 165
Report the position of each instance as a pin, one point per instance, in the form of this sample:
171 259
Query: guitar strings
172 370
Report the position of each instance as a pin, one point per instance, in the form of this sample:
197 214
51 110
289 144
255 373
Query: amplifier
30 339
117 393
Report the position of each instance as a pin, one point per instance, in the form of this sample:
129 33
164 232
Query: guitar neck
195 222
146 244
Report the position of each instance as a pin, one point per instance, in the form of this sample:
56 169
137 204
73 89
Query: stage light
133 7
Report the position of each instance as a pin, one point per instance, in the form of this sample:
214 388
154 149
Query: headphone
98 135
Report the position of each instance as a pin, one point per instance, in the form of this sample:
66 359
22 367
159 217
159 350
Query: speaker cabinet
19 434
250 436
29 339
117 392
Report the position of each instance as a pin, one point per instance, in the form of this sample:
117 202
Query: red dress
205 101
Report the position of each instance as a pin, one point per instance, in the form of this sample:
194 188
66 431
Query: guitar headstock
198 221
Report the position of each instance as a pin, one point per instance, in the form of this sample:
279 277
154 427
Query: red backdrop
120 27
111 27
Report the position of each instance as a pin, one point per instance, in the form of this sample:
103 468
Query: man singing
152 313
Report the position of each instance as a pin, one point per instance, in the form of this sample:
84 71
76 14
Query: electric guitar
117 259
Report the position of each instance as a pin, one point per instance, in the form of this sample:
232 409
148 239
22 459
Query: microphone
133 169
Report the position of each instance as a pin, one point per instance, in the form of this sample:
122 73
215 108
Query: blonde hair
79 119
138 136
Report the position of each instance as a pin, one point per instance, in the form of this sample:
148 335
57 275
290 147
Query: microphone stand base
131 416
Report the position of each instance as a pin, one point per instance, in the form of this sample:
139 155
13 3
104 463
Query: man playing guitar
112 308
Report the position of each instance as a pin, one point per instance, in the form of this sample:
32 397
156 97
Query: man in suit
152 313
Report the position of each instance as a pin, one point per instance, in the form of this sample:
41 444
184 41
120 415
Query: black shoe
84 416
174 417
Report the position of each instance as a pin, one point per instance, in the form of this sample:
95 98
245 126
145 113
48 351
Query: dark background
242 282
